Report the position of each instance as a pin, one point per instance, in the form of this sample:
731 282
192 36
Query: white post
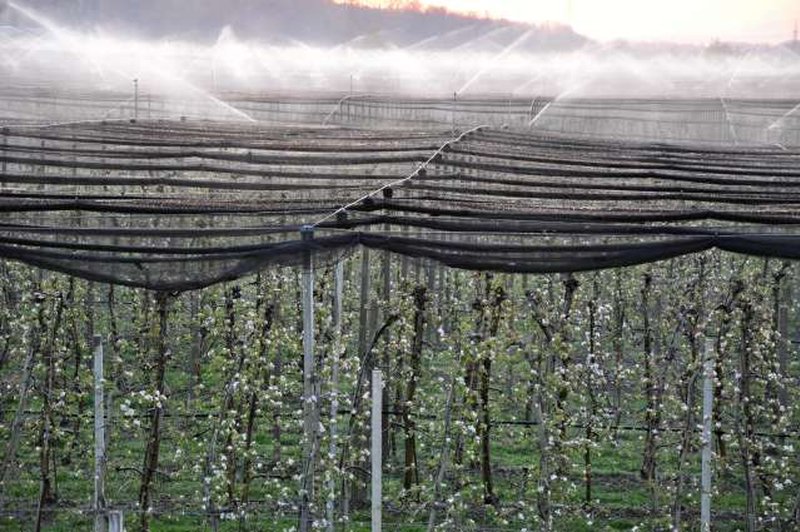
98 501
136 99
377 444
708 414
116 521
338 288
453 113
309 401
4 166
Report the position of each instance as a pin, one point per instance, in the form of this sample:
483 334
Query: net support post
116 521
98 499
135 100
387 296
338 290
376 454
453 114
309 399
708 414
4 165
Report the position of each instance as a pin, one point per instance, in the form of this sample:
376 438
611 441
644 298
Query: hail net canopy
484 184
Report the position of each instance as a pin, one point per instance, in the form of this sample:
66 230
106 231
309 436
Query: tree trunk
46 494
230 403
746 430
76 343
498 296
24 389
726 309
444 454
247 468
689 394
652 417
554 335
410 471
154 438
485 424
618 346
592 408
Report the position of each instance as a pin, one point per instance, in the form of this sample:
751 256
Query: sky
690 21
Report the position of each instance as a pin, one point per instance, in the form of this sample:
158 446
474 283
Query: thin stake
136 99
98 501
708 411
309 401
377 444
4 166
338 289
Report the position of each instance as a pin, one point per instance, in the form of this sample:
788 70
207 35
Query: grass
617 489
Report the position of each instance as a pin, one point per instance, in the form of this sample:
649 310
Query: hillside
318 22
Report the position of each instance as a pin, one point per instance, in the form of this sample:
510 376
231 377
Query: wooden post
98 501
377 444
708 413
309 401
338 289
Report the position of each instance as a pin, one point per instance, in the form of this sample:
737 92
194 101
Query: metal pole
98 501
338 289
377 413
309 401
136 99
4 166
453 114
387 296
116 521
708 412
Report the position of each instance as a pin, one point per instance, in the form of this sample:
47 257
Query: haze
276 47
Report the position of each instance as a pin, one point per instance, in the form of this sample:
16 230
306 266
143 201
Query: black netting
180 204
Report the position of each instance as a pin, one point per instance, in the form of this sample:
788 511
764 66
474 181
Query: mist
465 59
